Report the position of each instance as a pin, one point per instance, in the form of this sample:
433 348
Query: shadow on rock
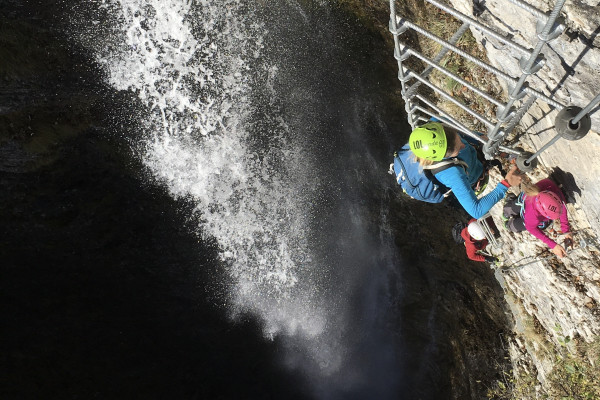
567 183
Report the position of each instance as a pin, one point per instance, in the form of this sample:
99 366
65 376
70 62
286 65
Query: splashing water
259 171
194 67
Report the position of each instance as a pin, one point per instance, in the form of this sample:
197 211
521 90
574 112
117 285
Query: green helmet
429 141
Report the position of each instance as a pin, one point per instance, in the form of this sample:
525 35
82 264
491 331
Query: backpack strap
431 170
521 203
443 165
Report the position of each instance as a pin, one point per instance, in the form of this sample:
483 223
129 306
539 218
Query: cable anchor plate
566 129
523 162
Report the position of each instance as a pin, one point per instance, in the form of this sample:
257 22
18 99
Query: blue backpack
419 182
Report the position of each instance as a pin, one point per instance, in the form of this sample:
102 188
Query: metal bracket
557 29
411 90
508 116
400 28
403 54
522 93
490 149
523 162
566 129
539 62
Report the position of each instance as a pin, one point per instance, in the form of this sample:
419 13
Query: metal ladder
571 123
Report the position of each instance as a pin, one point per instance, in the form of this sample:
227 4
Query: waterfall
277 167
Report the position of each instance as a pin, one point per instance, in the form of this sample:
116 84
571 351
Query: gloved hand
491 259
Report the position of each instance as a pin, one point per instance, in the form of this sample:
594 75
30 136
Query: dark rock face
106 292
103 292
454 309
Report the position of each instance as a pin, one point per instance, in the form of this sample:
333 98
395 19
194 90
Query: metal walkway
571 123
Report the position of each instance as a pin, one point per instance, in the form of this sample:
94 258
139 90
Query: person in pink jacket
543 203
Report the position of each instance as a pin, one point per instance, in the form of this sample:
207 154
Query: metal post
578 131
586 110
544 147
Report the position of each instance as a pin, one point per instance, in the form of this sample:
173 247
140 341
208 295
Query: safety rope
536 257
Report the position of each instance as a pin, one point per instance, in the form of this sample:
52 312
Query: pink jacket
532 217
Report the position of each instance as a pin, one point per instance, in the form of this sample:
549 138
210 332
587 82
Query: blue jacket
461 183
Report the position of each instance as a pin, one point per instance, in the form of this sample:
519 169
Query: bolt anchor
569 126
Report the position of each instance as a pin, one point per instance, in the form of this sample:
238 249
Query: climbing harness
513 213
571 122
481 184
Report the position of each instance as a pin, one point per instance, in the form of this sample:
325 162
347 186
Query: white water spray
195 70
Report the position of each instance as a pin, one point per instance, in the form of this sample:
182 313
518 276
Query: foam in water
193 69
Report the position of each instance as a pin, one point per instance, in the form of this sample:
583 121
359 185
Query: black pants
512 214
516 224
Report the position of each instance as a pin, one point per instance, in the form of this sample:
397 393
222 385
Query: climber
433 142
535 209
476 242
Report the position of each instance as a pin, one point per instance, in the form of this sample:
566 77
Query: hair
530 189
423 162
450 145
450 138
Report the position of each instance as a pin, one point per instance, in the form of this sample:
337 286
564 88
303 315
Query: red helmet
548 204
